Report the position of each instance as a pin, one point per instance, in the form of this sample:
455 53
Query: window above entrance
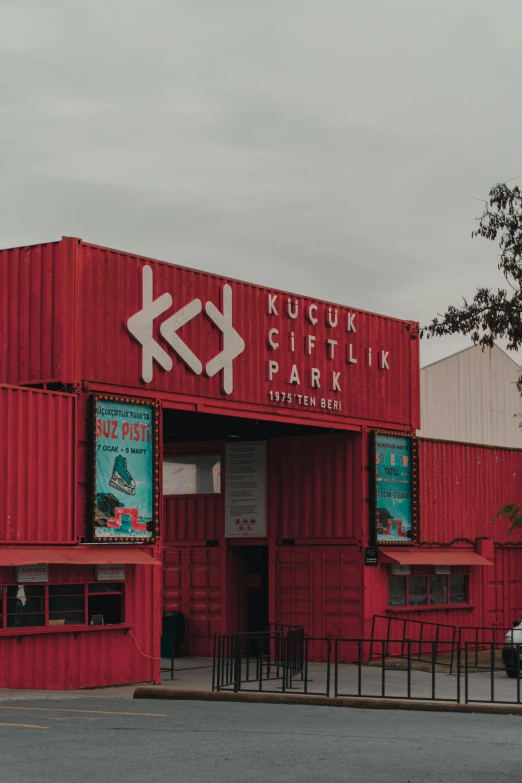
197 474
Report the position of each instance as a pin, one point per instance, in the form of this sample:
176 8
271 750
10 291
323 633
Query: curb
156 692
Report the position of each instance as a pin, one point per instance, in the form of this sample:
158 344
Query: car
511 650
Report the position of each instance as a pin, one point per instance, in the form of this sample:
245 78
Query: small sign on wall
400 570
110 573
443 569
33 573
371 556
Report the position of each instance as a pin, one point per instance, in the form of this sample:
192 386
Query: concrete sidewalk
194 675
114 692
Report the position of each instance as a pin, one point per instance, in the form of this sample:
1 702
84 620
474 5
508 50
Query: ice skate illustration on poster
121 479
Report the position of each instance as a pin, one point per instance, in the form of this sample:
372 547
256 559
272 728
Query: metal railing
288 645
494 689
405 683
400 631
170 669
288 661
303 664
480 638
226 663
271 660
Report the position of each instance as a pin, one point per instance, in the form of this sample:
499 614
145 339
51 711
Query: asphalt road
98 740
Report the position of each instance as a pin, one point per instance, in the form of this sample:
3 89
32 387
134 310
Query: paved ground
88 741
196 674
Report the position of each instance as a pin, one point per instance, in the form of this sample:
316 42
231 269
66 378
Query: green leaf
517 523
509 511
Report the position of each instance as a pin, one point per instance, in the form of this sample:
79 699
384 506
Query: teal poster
394 522
123 471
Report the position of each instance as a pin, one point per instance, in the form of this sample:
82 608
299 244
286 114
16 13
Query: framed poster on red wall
394 513
125 470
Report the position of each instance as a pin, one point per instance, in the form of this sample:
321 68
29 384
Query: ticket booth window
428 590
57 605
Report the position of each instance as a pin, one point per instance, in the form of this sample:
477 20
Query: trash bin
172 634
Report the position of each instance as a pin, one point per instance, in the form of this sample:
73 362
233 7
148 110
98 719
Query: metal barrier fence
172 656
405 683
400 631
288 661
269 662
480 638
294 635
494 689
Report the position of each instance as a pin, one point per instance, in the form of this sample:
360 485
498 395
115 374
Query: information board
245 489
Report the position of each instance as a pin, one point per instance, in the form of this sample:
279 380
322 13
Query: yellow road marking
24 725
86 712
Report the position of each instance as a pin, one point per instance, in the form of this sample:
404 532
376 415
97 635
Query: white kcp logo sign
141 324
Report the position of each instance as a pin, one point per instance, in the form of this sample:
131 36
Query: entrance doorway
250 596
221 585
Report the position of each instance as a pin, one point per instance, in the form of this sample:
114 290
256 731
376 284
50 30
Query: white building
472 397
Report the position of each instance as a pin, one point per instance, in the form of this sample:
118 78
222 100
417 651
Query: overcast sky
330 147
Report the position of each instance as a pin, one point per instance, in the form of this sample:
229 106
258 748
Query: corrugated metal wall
36 313
461 489
311 492
192 585
84 469
113 280
495 595
37 466
191 518
42 659
472 397
311 487
56 300
505 587
322 589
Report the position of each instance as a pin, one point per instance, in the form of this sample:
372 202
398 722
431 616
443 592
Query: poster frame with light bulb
124 498
394 496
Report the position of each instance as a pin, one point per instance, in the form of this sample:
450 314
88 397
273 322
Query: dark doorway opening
252 587
256 559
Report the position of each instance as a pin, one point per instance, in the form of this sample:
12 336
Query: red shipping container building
225 365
